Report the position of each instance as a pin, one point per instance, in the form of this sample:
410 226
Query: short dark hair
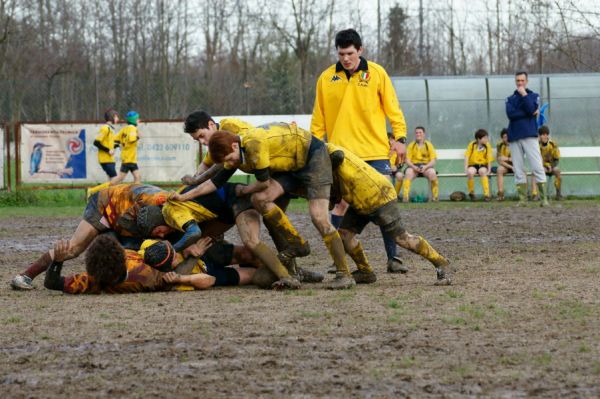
109 114
105 261
219 145
348 37
480 133
196 120
422 128
543 130
503 132
522 73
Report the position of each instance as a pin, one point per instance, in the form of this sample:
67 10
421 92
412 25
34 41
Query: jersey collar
362 66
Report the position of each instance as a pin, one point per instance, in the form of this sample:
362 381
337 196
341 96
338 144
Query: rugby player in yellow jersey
352 101
420 160
371 198
200 126
550 158
130 210
128 138
106 144
478 161
112 269
284 149
504 162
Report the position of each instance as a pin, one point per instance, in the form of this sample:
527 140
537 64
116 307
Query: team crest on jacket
335 78
363 78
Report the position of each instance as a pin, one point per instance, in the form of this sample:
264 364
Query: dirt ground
523 319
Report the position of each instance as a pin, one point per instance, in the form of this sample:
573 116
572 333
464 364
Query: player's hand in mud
61 250
171 278
199 248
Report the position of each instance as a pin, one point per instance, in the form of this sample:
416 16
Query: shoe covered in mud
472 196
500 196
395 265
332 269
444 275
364 277
341 281
487 198
22 283
288 283
296 251
308 276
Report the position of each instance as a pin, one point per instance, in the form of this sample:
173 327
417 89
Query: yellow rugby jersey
421 154
352 112
502 150
550 153
128 138
361 186
106 137
281 148
233 125
477 156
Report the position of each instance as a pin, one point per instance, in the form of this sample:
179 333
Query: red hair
220 144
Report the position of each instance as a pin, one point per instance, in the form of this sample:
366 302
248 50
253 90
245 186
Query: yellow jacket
478 156
128 138
106 137
550 153
352 112
233 125
421 155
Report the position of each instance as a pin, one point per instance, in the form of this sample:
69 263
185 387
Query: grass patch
407 362
583 348
543 360
573 309
314 314
13 320
463 370
454 294
474 311
455 321
511 360
234 299
309 292
393 304
596 368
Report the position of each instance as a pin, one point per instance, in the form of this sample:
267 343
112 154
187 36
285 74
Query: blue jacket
519 109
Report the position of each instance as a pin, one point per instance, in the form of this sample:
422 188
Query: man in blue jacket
522 108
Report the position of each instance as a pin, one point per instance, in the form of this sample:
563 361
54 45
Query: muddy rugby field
523 319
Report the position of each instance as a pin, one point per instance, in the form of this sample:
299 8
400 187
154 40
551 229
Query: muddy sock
336 220
471 186
389 243
398 186
359 257
334 244
39 266
557 181
428 252
280 221
485 183
270 260
406 189
435 190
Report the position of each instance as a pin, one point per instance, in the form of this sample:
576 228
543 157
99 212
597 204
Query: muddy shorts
316 176
128 167
387 217
235 203
109 169
217 259
92 215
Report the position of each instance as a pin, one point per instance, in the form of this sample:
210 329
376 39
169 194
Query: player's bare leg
137 176
557 182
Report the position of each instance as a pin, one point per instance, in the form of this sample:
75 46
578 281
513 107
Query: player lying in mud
156 267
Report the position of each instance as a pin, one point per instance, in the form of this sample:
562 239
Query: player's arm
206 174
53 279
199 281
317 123
206 187
263 181
391 107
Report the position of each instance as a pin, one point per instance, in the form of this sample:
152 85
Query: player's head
420 133
151 222
105 261
224 147
504 135
544 133
521 78
200 125
349 48
111 116
159 254
132 118
481 135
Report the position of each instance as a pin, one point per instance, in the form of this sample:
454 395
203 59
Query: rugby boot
341 281
191 236
500 196
308 276
444 276
395 265
286 283
472 196
362 277
522 192
332 269
22 283
543 190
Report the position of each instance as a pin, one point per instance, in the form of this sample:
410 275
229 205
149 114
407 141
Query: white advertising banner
2 149
65 153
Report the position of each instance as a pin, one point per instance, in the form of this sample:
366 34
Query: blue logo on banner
76 164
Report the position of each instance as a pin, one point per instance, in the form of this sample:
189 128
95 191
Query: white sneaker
21 282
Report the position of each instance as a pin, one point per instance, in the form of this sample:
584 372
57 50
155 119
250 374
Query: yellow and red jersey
233 125
479 155
106 137
421 154
140 278
352 112
550 153
123 201
360 185
128 137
